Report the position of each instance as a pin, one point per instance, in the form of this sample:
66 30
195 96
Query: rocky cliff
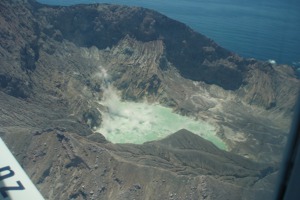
49 103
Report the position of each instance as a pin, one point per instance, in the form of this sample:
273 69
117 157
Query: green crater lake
131 122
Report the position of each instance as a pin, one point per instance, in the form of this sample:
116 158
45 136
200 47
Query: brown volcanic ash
49 90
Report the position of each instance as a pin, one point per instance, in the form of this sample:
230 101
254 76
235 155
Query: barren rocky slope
50 89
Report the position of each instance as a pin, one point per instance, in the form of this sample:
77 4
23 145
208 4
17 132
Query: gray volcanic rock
51 85
105 26
67 166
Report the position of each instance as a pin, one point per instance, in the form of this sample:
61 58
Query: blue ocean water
260 29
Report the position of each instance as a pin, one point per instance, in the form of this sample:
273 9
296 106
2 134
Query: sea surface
261 29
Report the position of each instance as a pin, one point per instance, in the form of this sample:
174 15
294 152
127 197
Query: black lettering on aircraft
9 173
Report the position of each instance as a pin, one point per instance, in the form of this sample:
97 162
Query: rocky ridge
49 93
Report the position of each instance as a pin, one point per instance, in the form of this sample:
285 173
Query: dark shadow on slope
104 26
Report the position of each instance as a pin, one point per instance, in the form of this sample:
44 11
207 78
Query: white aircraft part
14 182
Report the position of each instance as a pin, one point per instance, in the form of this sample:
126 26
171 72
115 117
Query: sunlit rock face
70 75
